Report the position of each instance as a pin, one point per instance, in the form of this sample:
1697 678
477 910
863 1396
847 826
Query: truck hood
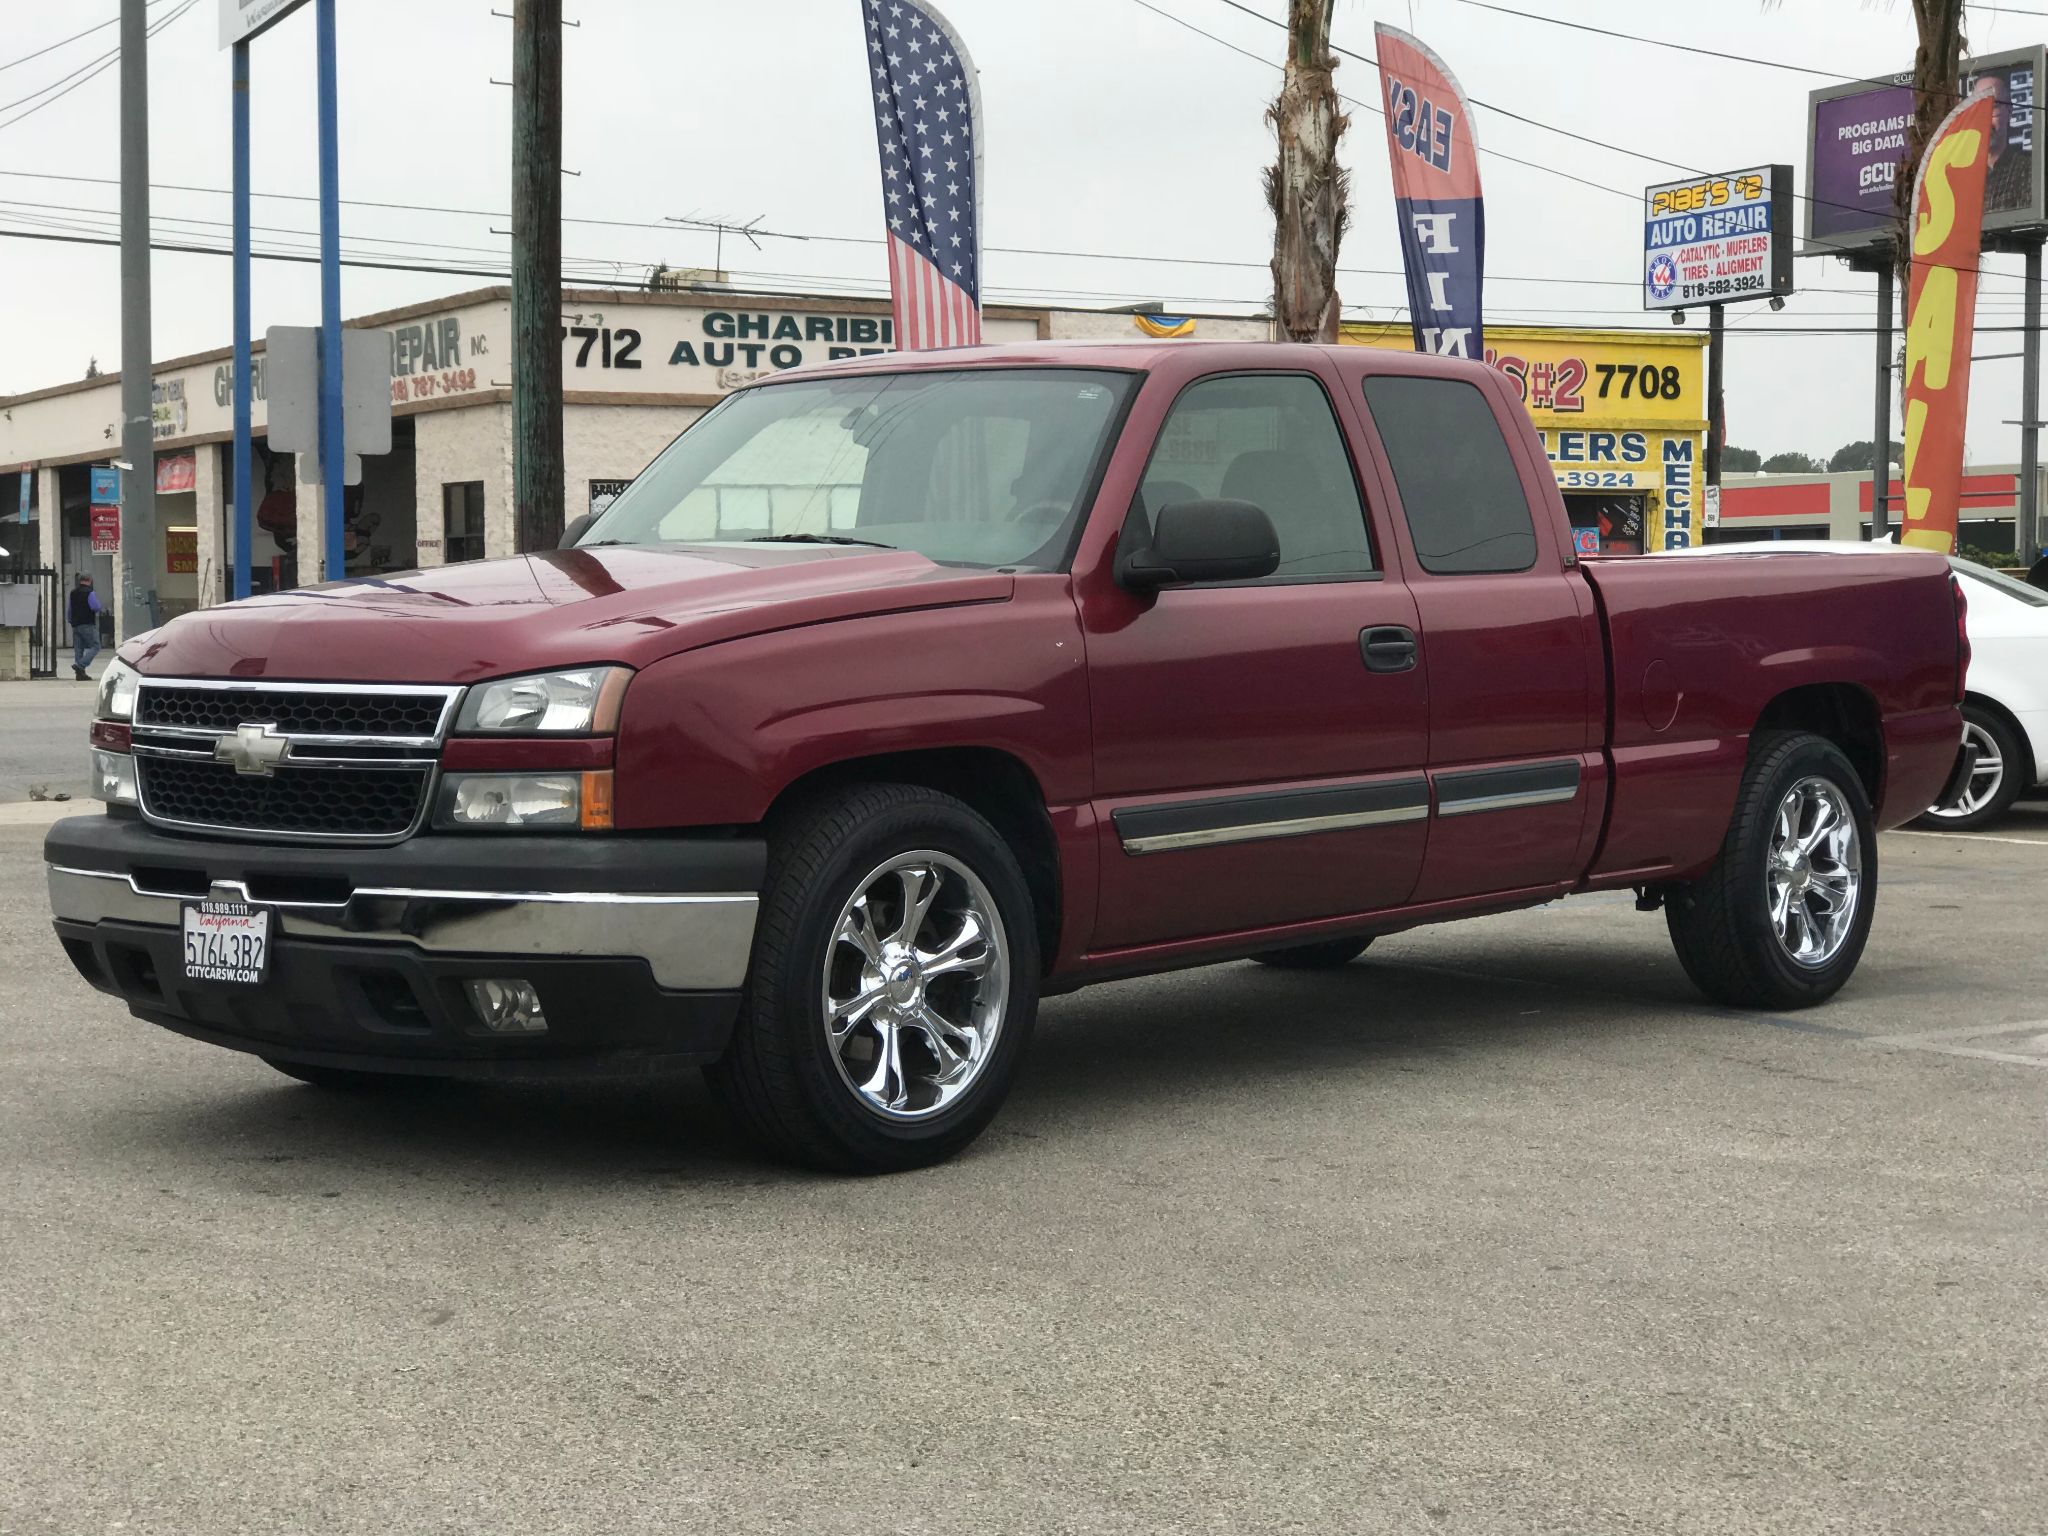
490 618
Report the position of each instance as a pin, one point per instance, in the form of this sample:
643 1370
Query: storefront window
462 519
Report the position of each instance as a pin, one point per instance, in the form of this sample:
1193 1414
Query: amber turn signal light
597 800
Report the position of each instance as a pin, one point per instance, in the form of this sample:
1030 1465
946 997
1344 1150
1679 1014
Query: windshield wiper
819 538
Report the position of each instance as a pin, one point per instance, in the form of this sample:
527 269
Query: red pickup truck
901 692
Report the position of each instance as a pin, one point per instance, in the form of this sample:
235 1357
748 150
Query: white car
2005 710
2005 707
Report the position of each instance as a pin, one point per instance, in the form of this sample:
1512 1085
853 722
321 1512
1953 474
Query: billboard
1856 139
1714 239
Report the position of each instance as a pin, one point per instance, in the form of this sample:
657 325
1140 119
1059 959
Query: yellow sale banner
1941 311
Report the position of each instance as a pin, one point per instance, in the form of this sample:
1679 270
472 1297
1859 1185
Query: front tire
1993 784
893 986
1781 918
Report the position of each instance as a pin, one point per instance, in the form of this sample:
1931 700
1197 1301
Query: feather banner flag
1437 201
927 101
1941 315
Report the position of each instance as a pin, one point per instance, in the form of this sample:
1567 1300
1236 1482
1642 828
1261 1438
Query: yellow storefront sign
1623 417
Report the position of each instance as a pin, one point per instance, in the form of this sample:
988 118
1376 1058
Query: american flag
926 110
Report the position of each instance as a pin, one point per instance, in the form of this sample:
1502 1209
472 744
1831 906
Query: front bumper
638 946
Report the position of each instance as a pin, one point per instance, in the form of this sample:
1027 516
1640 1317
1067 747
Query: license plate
226 941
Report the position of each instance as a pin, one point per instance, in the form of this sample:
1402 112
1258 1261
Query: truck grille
305 802
359 766
304 712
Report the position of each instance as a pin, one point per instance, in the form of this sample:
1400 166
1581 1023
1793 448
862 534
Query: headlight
117 692
580 702
527 801
113 778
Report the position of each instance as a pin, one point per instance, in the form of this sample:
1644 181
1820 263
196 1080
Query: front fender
712 736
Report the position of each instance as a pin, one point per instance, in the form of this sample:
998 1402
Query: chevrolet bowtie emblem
253 749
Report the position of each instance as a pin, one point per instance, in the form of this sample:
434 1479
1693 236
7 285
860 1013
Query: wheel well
1000 787
1991 706
1843 714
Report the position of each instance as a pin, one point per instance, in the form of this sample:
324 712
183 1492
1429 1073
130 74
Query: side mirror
575 529
1202 541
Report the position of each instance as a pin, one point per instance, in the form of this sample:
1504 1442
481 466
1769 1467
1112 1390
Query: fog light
507 1005
512 800
113 777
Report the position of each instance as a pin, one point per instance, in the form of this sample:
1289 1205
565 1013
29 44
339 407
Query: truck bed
1698 650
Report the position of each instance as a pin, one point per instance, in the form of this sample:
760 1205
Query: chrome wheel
1986 779
916 978
1814 876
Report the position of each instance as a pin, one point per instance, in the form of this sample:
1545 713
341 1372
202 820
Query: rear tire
1326 956
1996 783
1781 918
893 986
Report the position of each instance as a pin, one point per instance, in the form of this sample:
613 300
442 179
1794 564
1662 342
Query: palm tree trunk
1306 188
1937 84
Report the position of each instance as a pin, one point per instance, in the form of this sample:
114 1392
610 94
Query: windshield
2033 597
981 467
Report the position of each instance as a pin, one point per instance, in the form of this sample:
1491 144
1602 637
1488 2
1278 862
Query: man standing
84 614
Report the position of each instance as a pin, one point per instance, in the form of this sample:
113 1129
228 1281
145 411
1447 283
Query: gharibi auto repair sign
625 346
242 19
1717 239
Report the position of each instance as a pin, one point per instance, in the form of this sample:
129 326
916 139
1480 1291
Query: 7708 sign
1564 384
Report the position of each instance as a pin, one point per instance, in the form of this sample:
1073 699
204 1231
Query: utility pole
537 471
138 425
2029 531
1716 426
1881 428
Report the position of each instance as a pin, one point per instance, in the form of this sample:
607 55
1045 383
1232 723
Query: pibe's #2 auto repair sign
1716 239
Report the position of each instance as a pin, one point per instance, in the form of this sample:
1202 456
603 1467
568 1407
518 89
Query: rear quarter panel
1698 647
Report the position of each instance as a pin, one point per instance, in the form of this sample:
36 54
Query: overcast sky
1111 130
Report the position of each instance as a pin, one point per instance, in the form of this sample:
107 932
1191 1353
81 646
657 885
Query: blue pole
330 300
244 484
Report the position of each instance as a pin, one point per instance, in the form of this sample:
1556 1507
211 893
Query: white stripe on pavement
1976 837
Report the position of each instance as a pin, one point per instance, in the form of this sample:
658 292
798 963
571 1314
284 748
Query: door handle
1387 648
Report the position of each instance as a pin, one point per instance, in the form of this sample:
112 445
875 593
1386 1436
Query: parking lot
1500 1229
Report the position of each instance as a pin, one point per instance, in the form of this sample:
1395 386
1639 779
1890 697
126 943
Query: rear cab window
1460 489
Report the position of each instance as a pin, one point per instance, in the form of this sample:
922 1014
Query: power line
65 42
1366 58
823 239
1633 197
1662 42
1366 106
83 74
1385 326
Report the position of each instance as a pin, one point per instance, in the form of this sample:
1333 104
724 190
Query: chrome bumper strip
691 942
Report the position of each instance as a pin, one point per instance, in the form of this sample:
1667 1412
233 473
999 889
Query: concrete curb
41 813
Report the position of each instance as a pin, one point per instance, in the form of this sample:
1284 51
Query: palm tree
1308 191
1937 81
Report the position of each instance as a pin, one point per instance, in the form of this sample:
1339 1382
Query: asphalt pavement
1500 1229
43 725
